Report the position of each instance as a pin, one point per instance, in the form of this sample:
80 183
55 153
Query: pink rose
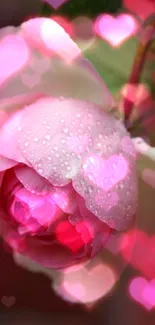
68 167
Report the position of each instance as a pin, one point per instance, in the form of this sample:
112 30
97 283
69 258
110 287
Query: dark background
89 8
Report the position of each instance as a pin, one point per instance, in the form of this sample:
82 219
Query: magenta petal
41 208
99 230
65 198
1 177
52 255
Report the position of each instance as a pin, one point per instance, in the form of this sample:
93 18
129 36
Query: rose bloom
68 166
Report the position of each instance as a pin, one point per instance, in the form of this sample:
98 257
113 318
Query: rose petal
46 148
46 33
52 255
9 139
65 198
32 181
42 208
6 163
76 80
11 105
1 177
98 230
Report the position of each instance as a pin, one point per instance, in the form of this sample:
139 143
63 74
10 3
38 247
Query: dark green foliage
91 8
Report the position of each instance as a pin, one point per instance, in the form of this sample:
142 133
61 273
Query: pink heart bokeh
55 3
115 30
105 173
143 292
140 248
8 301
30 80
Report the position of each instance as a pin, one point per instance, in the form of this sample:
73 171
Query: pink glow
143 292
14 55
88 284
136 93
142 8
65 24
68 235
139 244
105 173
115 30
77 290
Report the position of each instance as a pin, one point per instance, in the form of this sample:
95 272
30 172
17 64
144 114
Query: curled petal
32 181
48 35
6 163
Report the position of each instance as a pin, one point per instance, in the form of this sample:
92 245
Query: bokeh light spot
115 30
88 284
105 173
14 55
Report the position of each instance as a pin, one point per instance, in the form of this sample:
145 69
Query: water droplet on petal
47 136
36 139
40 171
90 189
65 130
19 128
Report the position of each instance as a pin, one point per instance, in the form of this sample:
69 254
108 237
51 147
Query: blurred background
110 43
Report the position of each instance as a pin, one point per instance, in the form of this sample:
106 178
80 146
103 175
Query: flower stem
139 61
